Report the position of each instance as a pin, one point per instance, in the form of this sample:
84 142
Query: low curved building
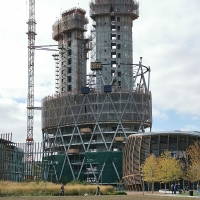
139 146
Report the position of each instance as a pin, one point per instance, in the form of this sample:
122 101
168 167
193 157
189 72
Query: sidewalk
162 194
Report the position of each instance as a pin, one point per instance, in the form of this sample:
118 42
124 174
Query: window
113 27
113 45
118 37
69 52
113 62
119 74
69 79
118 46
118 28
119 55
69 44
111 9
113 54
69 61
69 70
112 18
113 36
69 88
118 19
119 83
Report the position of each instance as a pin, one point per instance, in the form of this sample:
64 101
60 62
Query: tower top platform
119 7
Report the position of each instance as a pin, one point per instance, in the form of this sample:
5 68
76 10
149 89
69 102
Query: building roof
175 132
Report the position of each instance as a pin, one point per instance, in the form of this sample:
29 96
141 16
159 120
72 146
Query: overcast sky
166 35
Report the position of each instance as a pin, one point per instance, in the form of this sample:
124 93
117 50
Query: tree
193 171
169 168
150 170
193 153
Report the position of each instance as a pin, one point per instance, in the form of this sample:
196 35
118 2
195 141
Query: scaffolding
73 49
13 165
85 126
79 127
56 58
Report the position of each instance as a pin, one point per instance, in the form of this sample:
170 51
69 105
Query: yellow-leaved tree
193 152
193 169
169 168
150 170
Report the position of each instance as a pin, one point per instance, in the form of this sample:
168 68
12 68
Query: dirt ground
130 196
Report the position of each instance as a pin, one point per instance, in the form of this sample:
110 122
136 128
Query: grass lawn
103 197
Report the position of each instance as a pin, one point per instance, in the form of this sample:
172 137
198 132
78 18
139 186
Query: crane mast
30 98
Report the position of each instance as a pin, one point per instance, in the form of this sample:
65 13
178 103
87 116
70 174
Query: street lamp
142 179
51 171
45 177
18 176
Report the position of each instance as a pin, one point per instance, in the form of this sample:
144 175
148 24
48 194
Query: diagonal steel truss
65 115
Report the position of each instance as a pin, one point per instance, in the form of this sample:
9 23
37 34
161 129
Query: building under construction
86 123
12 160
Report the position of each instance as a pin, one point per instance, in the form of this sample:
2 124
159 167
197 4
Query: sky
166 35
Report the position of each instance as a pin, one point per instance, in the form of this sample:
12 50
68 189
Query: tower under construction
86 123
69 32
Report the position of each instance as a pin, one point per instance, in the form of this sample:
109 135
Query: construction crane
30 98
29 154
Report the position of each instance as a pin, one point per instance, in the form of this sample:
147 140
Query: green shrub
117 193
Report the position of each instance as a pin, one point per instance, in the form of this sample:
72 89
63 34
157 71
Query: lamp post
19 176
101 178
51 171
45 177
142 179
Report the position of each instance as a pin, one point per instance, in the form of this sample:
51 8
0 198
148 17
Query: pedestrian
175 188
172 188
98 191
62 190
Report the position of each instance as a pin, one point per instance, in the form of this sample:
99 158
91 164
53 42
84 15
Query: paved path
162 194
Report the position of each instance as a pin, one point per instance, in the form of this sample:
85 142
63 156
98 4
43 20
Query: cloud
170 45
166 35
189 127
159 114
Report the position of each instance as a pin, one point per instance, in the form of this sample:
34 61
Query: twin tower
86 123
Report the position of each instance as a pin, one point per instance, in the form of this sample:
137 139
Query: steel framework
85 129
13 160
78 129
30 99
